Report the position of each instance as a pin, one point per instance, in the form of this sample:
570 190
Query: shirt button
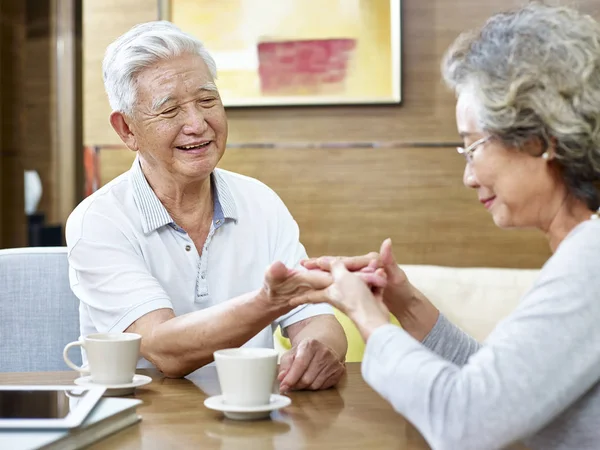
218 222
188 248
203 275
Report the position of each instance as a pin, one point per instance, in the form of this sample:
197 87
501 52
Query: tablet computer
45 407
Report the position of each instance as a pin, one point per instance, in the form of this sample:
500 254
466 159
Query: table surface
350 416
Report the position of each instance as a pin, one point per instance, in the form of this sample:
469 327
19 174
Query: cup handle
70 363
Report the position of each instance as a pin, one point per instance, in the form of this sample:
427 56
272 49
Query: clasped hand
310 364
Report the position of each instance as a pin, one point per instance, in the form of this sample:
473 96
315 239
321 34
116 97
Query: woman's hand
282 285
398 293
359 300
413 310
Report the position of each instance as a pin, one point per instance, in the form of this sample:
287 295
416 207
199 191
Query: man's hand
282 284
310 365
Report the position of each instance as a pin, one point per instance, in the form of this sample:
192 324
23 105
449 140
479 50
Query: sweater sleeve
460 397
450 342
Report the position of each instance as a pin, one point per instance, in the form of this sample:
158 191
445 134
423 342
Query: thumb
286 360
276 272
338 269
389 261
386 254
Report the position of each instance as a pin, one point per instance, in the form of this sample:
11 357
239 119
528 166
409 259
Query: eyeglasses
468 152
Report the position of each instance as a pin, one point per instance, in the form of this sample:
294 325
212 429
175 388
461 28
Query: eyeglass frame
469 150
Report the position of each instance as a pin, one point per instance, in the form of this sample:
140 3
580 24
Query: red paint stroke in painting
316 66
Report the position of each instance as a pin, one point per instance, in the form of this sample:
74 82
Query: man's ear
119 123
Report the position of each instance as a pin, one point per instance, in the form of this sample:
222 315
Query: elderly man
175 249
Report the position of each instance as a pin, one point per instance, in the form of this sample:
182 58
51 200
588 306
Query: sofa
473 298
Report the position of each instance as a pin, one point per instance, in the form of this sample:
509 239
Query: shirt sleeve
500 394
290 251
108 274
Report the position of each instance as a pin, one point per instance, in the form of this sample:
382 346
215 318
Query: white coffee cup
246 375
112 357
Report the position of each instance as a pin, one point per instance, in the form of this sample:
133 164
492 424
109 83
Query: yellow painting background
231 30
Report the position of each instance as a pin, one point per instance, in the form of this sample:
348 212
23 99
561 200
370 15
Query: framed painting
298 52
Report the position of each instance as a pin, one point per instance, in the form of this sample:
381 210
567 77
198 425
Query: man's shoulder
243 185
107 200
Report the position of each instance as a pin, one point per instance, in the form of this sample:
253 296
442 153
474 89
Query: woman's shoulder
584 237
577 256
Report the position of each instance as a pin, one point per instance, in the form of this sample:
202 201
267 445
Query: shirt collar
153 213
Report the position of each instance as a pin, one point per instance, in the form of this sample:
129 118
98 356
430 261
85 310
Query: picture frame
300 52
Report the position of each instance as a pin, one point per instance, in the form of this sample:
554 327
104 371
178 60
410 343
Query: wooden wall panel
347 200
12 38
2 215
38 100
104 21
413 195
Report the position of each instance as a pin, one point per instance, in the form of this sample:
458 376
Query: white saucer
115 390
247 412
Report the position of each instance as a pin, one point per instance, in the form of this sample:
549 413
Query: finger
324 262
373 279
301 362
286 362
315 279
387 256
309 264
352 263
390 265
338 270
321 378
358 262
375 263
312 263
311 373
333 379
323 360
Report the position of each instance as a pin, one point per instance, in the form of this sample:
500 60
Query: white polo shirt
127 257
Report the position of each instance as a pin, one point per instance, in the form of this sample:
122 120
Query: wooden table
351 416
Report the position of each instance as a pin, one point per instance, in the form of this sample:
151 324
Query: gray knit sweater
535 379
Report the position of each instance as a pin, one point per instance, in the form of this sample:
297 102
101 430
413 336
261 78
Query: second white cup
246 375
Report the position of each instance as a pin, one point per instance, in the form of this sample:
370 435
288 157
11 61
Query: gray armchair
39 314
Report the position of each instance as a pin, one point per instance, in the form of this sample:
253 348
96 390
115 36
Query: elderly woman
528 109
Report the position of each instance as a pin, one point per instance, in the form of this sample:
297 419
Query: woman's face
516 186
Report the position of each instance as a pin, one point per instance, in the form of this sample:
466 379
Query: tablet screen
46 405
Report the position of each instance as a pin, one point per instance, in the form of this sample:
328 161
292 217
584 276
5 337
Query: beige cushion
475 299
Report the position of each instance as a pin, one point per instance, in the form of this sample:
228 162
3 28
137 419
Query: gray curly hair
536 74
139 48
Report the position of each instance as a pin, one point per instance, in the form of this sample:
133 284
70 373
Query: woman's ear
538 147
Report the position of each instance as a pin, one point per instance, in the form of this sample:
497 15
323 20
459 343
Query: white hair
139 48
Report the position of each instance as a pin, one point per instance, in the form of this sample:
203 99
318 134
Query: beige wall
347 200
